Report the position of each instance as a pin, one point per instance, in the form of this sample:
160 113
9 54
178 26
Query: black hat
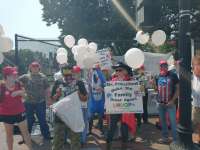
66 69
124 66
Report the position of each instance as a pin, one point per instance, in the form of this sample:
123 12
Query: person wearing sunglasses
168 90
122 73
62 88
96 81
12 110
37 93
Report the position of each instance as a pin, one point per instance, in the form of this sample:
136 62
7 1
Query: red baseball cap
8 70
35 64
142 66
76 69
162 62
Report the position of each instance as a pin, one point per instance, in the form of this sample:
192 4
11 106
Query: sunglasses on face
67 72
119 70
163 66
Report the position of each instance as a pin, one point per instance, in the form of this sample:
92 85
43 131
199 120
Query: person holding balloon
96 96
83 96
62 88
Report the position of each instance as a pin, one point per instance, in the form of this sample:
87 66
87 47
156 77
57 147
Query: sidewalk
147 140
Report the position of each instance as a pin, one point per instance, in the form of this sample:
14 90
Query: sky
24 17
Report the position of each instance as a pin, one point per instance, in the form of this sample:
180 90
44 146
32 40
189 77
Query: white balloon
142 38
95 57
82 41
93 46
82 49
61 50
80 64
6 44
75 49
134 58
1 30
1 58
61 58
138 34
79 57
88 62
158 37
75 56
69 41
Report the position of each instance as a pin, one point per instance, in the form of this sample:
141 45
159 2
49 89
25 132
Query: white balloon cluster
84 54
158 37
6 44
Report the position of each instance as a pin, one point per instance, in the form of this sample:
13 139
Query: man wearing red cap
37 90
62 88
168 90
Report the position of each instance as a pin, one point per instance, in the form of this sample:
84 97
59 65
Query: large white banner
123 97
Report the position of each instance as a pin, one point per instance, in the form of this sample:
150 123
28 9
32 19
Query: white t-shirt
196 91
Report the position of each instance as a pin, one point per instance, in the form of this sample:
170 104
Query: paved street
147 140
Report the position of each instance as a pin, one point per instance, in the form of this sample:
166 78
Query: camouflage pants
59 137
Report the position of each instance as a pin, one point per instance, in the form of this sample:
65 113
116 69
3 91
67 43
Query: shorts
195 116
97 108
12 119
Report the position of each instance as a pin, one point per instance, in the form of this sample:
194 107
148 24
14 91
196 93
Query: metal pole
184 127
16 51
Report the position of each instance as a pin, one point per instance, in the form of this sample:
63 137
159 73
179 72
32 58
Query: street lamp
184 127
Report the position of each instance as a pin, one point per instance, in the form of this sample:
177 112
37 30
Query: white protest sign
123 97
105 59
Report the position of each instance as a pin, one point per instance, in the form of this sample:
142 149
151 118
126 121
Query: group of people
22 98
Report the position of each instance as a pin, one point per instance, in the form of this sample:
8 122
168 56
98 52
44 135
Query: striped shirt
166 87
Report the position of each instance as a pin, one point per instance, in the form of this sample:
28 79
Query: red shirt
11 105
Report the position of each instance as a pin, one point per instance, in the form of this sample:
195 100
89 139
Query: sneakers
164 141
124 146
108 146
21 142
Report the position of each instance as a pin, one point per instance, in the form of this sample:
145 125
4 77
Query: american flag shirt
164 89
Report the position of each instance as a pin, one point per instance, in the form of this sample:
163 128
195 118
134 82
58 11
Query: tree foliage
26 57
100 21
96 20
170 17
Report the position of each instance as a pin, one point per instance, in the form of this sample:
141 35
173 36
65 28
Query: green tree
170 17
96 20
26 57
